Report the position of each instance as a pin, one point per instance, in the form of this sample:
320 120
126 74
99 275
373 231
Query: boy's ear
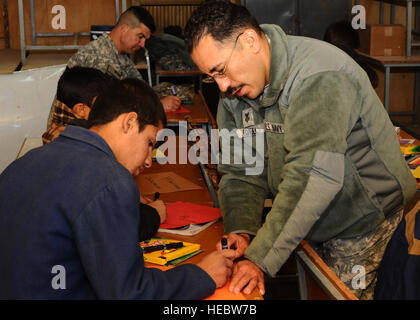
129 121
81 110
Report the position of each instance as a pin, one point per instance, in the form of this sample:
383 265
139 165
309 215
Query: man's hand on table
237 242
171 103
246 274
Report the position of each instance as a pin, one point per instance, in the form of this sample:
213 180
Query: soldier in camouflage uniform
109 53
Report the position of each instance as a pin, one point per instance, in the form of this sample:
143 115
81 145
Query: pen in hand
157 195
224 244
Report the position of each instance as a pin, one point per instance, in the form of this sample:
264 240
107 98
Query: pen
167 246
157 194
224 244
173 90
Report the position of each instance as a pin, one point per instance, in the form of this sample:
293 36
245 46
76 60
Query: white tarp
25 102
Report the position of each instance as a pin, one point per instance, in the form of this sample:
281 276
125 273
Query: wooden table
316 280
187 171
199 113
206 238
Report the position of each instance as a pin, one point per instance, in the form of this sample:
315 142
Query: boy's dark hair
142 15
81 85
342 35
220 19
128 95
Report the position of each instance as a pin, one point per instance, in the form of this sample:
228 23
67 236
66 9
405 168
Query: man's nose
223 83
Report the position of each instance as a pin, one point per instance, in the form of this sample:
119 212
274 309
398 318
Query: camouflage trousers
356 260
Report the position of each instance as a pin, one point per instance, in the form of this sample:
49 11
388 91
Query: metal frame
304 263
387 67
24 48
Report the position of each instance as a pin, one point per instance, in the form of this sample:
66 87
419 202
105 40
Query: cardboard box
383 40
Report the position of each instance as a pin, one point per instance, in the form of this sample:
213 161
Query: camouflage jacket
102 54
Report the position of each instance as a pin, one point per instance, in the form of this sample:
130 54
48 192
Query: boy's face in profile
136 155
82 110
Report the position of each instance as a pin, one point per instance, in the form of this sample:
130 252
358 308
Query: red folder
180 214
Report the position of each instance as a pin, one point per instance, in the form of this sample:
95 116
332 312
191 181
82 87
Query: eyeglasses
221 74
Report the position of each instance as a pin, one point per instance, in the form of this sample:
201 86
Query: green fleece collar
279 67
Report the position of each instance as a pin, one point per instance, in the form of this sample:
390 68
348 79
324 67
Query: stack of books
163 251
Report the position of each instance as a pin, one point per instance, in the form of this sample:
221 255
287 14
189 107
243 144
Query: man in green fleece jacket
330 158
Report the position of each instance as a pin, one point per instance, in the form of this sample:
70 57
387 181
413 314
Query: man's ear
81 110
124 27
129 121
251 40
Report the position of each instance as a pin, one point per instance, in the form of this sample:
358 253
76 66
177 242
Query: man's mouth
235 91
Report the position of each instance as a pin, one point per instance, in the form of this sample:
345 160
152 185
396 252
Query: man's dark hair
141 14
220 19
81 85
124 96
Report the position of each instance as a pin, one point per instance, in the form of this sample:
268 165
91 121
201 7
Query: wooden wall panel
170 15
80 15
2 32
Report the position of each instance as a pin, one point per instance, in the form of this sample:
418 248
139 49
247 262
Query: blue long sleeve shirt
69 221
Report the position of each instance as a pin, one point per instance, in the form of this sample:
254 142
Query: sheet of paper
179 214
180 110
164 182
189 230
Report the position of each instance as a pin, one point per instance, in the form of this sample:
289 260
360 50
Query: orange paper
180 214
222 293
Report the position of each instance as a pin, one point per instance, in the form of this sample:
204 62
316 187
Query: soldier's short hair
140 14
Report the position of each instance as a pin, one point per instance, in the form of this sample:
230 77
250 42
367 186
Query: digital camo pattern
343 255
185 92
103 55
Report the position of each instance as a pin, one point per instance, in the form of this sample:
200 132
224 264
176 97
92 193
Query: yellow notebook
162 257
